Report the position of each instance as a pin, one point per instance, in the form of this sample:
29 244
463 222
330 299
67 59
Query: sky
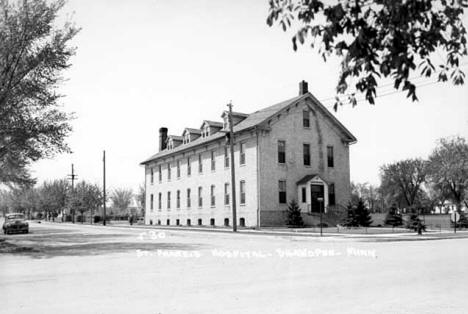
141 65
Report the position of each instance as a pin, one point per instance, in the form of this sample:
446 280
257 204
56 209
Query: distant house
295 149
447 207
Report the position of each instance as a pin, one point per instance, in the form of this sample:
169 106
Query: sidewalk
272 231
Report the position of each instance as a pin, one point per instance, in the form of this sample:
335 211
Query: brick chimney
162 138
303 88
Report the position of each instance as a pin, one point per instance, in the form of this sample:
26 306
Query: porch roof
309 177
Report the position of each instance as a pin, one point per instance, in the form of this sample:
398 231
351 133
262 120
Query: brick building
295 149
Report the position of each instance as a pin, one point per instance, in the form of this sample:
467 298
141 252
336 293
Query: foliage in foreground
380 38
33 55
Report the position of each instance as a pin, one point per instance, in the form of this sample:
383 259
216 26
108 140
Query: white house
295 149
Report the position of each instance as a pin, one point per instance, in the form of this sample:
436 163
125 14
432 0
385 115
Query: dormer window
237 117
187 138
209 128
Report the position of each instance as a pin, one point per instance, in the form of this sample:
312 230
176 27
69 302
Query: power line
413 78
386 94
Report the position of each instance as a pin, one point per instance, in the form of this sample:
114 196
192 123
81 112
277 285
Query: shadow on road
46 243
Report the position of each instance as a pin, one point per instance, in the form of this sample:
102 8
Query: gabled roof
175 137
253 120
262 115
191 130
212 123
307 178
234 114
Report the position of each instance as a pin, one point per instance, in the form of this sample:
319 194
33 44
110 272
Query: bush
358 216
97 219
351 218
415 224
394 218
294 217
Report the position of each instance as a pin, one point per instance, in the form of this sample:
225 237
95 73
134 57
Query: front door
316 191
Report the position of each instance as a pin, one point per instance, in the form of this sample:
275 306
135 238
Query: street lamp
320 200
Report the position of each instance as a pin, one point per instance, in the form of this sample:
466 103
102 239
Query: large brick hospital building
295 149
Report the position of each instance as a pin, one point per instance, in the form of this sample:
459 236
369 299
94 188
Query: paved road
61 268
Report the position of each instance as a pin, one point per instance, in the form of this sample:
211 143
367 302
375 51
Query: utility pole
72 177
320 200
104 187
233 173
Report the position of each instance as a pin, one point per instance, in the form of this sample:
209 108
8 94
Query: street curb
409 236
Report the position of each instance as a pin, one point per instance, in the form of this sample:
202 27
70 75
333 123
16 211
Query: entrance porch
312 194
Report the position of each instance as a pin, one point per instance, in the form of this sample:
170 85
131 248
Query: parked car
141 221
15 223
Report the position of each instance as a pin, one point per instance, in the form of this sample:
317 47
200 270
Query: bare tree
141 198
121 199
403 180
448 169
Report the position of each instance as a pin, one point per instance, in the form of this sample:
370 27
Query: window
304 195
151 201
282 191
226 222
330 160
177 222
242 153
306 118
152 176
213 161
281 152
212 195
212 221
226 193
226 157
200 221
242 192
178 168
168 171
168 222
178 199
200 198
189 201
331 194
189 222
242 222
200 163
168 200
160 172
306 154
189 167
159 200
